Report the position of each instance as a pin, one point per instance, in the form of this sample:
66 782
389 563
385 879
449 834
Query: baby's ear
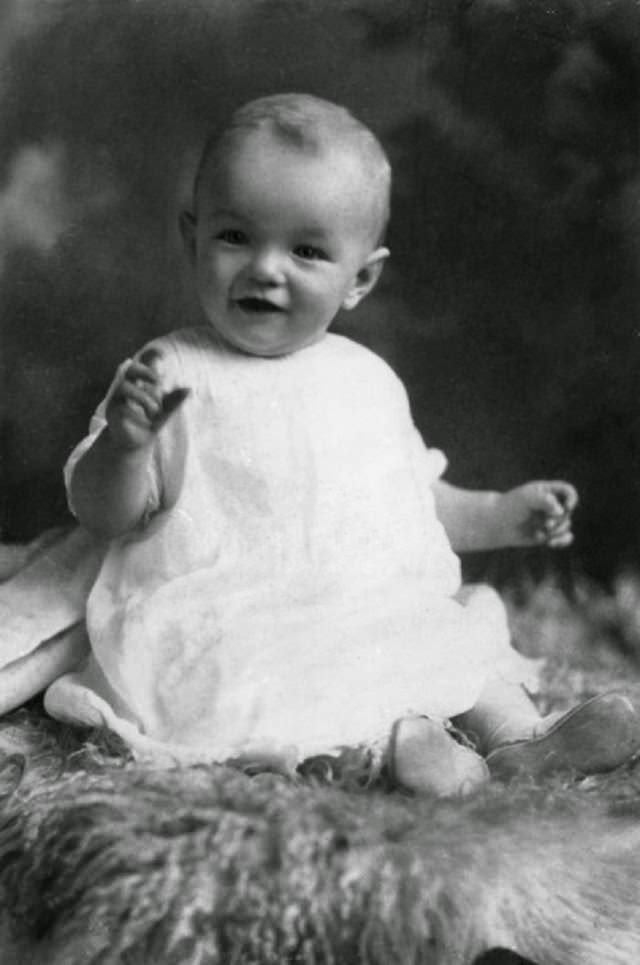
188 231
366 278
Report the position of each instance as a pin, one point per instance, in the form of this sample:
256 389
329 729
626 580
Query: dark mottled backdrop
511 303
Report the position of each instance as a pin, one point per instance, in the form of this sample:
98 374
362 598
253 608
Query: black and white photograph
319 482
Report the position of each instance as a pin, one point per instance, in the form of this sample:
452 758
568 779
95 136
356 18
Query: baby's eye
310 253
232 236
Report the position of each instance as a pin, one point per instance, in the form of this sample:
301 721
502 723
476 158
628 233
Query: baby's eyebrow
315 233
222 213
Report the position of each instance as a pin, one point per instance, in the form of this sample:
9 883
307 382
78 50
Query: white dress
300 593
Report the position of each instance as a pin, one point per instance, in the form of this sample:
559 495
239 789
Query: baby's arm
537 513
109 487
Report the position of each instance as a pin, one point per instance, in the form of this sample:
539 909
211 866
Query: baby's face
279 244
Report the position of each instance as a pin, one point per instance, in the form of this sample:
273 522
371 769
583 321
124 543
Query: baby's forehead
306 158
247 148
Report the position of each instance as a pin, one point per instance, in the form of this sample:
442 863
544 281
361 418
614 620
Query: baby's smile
255 304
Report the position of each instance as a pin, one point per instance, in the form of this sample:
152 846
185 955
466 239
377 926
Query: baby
279 580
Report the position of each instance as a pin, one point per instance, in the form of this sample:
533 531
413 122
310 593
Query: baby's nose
266 267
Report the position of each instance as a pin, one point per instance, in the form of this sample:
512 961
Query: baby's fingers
555 525
138 401
556 532
150 357
563 495
139 398
168 402
560 540
171 400
141 374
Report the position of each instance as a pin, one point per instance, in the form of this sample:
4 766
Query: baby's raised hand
539 513
138 406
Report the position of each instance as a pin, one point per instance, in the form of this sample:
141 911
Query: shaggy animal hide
104 860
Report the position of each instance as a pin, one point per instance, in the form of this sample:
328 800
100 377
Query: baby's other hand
138 406
540 513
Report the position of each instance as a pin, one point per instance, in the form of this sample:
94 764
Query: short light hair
310 124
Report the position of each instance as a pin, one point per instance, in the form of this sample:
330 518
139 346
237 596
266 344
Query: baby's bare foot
426 759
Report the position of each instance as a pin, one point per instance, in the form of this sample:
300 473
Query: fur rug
104 860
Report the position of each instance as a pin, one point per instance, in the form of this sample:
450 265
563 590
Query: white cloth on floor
299 594
42 609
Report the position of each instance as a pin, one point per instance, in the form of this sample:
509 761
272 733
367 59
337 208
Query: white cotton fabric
43 597
299 594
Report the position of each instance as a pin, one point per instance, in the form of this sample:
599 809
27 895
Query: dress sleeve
428 464
97 424
431 464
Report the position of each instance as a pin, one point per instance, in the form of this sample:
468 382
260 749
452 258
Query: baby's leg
503 713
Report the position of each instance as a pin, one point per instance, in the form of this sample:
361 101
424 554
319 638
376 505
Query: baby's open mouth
252 304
